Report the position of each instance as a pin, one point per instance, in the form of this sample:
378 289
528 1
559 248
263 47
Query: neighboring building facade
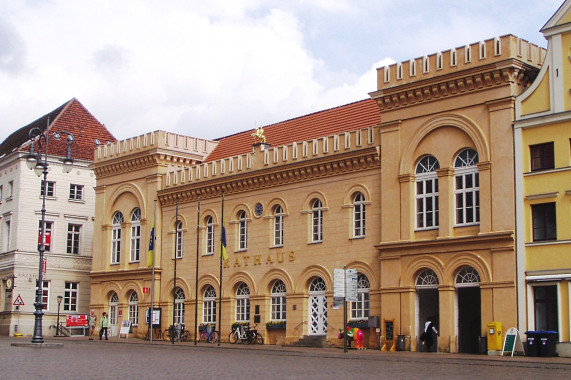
543 177
70 203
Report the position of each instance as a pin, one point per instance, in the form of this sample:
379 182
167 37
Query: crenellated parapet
295 162
478 66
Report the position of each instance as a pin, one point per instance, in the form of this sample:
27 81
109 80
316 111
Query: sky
213 68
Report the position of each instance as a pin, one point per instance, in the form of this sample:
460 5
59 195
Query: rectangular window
50 189
6 236
242 310
179 241
47 235
134 313
278 308
45 293
278 230
135 243
467 195
70 296
76 192
545 308
10 189
427 203
542 157
544 222
73 235
116 244
209 311
1 192
360 309
210 239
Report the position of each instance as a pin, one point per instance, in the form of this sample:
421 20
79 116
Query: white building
70 203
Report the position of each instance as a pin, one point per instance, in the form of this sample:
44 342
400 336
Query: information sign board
76 320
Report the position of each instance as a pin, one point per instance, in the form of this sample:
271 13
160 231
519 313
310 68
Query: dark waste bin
547 343
483 345
532 342
400 342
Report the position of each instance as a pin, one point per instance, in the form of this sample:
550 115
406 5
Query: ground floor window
545 307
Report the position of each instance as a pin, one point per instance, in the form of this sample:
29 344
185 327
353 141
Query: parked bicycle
245 335
209 334
178 332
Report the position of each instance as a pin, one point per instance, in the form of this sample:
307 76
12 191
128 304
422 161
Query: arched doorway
317 307
427 301
468 310
113 314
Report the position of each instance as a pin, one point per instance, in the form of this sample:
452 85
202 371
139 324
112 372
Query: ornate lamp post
59 299
40 166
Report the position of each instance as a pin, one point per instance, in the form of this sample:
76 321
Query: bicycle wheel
259 339
213 337
185 336
233 337
167 335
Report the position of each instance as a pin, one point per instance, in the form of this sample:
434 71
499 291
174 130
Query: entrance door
427 303
317 308
113 315
469 323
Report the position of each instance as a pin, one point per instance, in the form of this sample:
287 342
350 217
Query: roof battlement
458 59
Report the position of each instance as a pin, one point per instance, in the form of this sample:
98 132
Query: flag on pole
150 260
223 242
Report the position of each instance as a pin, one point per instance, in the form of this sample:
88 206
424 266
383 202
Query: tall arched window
179 306
209 305
278 226
134 309
278 312
243 303
360 308
135 235
179 240
316 221
116 238
467 188
243 231
209 235
113 308
426 193
359 215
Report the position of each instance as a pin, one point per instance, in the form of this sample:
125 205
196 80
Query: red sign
47 238
76 320
145 290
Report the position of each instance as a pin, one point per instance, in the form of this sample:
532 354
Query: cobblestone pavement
79 358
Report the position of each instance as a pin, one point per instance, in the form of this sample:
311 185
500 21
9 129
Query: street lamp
40 166
59 299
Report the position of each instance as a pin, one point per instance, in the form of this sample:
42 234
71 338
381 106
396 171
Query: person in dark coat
427 336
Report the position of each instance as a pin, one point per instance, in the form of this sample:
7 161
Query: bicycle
179 332
209 334
245 335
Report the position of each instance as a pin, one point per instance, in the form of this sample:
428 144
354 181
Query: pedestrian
426 336
104 324
92 320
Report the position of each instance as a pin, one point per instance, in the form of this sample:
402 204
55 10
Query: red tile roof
349 117
71 116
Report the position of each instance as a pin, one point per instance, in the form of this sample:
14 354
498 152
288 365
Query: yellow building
542 134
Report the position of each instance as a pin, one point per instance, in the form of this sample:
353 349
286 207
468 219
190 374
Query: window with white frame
10 189
242 231
1 193
45 294
278 226
6 235
179 306
467 188
70 296
73 236
209 305
426 193
113 309
179 240
360 308
135 235
278 312
134 309
209 235
359 215
243 303
48 226
50 189
116 238
76 192
316 221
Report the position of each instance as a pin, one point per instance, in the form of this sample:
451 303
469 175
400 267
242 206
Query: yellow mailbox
495 336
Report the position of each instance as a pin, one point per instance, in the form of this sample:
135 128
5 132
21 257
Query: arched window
317 285
179 240
135 235
468 276
134 309
316 221
243 231
243 303
113 308
209 305
278 226
360 308
359 215
467 188
427 193
209 235
278 312
179 306
116 238
427 279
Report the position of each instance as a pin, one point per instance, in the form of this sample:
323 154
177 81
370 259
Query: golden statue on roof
259 136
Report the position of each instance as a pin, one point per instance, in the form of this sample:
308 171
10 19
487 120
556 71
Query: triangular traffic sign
19 301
